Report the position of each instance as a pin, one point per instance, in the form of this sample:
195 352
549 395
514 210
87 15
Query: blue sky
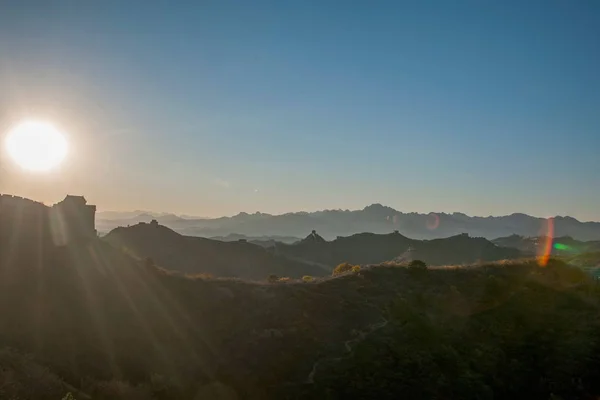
215 107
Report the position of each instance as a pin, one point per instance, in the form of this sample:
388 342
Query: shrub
307 278
342 269
284 279
417 264
21 377
272 278
202 275
356 268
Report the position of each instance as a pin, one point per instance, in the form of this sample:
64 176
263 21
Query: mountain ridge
197 255
312 255
375 218
110 214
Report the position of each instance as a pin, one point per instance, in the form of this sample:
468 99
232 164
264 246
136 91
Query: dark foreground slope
112 327
371 248
195 255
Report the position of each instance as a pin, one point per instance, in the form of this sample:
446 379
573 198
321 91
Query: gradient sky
215 107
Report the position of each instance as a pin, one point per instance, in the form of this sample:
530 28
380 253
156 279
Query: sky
210 108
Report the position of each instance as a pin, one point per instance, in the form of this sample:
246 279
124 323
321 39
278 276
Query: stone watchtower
73 219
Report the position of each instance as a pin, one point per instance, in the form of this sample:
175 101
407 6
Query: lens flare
545 247
433 221
560 246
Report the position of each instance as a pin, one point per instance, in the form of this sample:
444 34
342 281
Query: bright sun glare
36 146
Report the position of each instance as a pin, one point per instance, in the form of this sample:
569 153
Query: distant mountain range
375 218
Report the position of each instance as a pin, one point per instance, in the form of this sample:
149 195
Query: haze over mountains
311 256
375 218
196 255
370 248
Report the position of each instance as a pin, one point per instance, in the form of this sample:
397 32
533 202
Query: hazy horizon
484 108
191 216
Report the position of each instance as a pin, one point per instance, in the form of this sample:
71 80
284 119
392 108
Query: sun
36 146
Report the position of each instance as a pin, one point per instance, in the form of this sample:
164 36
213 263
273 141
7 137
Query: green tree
342 269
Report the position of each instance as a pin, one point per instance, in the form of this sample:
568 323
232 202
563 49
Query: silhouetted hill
375 218
312 239
370 248
199 255
107 221
462 249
